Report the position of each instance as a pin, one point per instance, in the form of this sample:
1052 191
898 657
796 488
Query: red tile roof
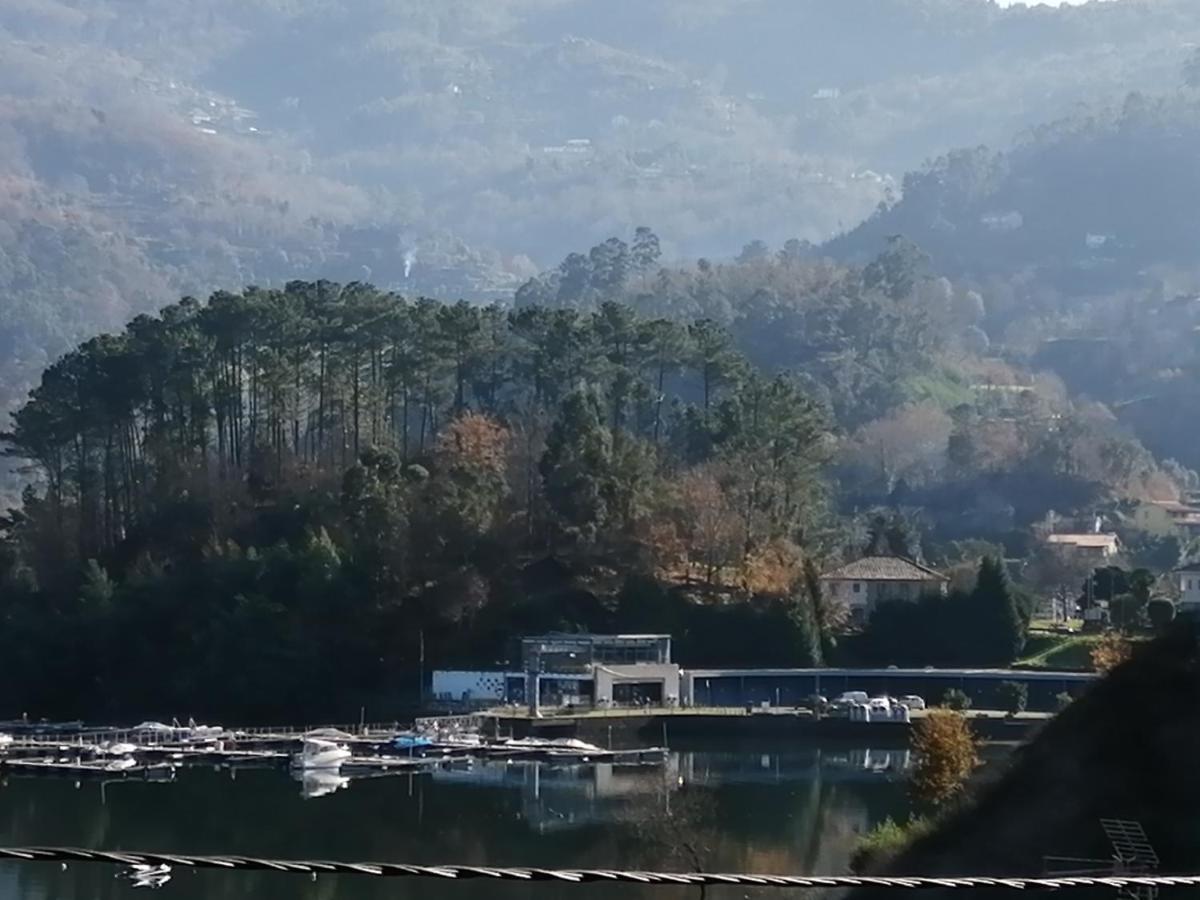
884 568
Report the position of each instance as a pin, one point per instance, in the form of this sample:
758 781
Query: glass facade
578 652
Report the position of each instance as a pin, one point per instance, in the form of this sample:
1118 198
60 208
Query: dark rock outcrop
1128 749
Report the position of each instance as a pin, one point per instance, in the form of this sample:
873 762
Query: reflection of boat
319 753
320 782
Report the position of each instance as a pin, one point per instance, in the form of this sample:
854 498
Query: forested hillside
943 392
305 480
438 147
313 488
1081 243
1082 206
297 490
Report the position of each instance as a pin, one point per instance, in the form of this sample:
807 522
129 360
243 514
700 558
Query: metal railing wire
581 876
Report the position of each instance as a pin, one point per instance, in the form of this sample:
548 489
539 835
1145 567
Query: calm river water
771 807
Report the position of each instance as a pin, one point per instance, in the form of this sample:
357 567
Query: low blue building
794 687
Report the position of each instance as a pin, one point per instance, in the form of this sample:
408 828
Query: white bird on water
146 876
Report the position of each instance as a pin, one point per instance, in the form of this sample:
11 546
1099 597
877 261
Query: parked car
912 701
880 704
847 697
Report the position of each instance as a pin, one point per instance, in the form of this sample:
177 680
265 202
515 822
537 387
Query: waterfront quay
635 671
614 727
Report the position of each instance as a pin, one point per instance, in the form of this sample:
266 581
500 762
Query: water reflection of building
811 764
557 797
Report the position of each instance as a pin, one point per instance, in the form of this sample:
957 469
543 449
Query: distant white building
1189 589
1095 547
865 583
1009 220
1165 517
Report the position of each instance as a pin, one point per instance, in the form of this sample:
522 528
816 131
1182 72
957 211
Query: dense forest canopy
322 472
307 485
438 147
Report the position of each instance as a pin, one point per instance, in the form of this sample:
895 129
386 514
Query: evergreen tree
806 621
996 629
577 467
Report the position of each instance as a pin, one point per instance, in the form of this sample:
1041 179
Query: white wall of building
861 597
667 674
1189 592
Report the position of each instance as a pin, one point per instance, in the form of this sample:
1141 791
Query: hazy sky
1040 2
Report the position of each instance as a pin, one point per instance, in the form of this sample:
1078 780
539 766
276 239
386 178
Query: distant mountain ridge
454 147
1088 203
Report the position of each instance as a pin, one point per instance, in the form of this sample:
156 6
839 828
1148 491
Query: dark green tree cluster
1126 594
983 627
299 489
862 337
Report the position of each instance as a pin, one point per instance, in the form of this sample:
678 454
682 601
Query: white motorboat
328 734
574 744
459 739
318 753
563 745
186 733
123 764
118 748
5 741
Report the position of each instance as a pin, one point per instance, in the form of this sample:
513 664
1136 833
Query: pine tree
996 628
96 591
576 467
806 618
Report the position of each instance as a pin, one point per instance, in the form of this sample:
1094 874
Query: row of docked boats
154 750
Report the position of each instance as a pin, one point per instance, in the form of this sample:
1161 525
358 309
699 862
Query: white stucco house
1096 547
865 583
1189 589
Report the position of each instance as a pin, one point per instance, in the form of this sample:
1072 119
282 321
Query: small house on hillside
1189 589
865 583
1097 548
1166 517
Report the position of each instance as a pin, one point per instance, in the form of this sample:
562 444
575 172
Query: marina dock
156 751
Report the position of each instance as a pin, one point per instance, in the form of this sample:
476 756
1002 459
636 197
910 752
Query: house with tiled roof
865 583
1189 589
1097 547
1165 517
